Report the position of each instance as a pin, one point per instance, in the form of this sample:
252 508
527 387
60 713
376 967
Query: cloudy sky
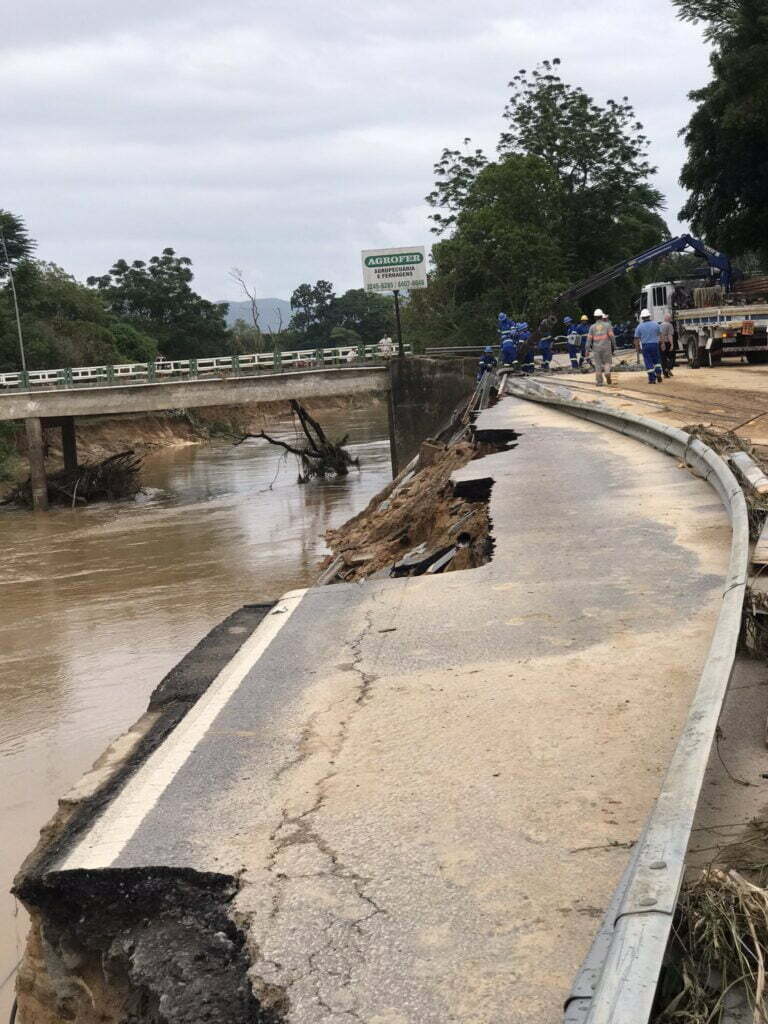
284 138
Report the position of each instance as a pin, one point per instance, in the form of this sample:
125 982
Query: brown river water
99 603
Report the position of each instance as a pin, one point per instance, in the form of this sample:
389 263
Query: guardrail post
151 371
361 352
278 359
110 371
320 357
192 367
24 380
67 374
236 365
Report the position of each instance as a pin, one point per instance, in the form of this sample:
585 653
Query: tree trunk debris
319 457
109 480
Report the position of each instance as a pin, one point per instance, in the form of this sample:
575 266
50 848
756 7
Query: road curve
425 788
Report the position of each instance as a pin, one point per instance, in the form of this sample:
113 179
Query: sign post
395 270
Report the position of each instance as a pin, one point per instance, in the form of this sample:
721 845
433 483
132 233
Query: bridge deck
192 393
420 783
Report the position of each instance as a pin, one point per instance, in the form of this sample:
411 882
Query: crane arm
718 261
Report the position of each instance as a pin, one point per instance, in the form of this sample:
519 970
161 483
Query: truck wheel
692 351
753 358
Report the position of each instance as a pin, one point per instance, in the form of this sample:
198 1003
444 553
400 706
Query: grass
721 933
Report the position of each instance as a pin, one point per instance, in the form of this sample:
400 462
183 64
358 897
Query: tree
600 157
569 194
157 297
64 323
17 242
367 314
504 254
455 173
726 172
312 306
255 333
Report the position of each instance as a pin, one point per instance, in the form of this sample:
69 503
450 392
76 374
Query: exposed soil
422 509
98 437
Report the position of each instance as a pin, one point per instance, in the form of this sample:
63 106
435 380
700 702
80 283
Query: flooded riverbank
99 603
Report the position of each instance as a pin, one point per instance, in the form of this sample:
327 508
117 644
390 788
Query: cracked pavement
419 783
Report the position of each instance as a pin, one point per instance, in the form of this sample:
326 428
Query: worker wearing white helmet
600 341
647 335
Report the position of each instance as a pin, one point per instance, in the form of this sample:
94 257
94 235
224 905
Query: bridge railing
247 364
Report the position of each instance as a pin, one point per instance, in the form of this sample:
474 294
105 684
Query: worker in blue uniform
488 362
525 348
647 336
582 329
545 342
508 340
572 341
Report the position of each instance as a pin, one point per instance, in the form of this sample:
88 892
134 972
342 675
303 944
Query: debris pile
721 938
725 443
109 480
416 525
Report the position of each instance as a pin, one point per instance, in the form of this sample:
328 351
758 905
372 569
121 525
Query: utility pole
15 300
400 349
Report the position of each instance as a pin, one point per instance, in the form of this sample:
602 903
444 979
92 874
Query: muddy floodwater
99 603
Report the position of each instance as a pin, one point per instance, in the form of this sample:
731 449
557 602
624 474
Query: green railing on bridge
167 370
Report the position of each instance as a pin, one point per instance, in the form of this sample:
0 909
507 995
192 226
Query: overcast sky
283 139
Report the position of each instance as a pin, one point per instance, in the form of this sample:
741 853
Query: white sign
389 270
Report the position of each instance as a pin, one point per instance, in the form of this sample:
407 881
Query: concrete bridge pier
36 454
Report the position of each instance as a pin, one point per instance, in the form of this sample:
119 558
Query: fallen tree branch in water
319 457
109 480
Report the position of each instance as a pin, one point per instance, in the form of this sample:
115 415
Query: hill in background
269 313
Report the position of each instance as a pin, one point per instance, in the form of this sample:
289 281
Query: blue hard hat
488 348
567 319
502 316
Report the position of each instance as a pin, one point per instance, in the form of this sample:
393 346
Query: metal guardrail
118 375
617 983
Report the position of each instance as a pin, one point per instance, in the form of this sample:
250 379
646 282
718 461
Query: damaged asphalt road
382 790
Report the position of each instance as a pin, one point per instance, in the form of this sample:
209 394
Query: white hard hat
644 312
598 312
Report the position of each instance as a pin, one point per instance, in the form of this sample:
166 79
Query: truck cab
657 299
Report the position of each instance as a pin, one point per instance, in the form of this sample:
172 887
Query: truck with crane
725 315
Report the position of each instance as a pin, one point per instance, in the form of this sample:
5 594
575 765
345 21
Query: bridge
55 398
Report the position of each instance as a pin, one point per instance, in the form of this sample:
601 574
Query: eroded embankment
423 511
98 437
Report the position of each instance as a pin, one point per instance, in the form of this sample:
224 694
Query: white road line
109 835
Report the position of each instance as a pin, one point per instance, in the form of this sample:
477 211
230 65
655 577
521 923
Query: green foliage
344 336
726 171
17 242
568 195
367 314
157 298
318 311
244 338
64 323
455 173
312 306
133 345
